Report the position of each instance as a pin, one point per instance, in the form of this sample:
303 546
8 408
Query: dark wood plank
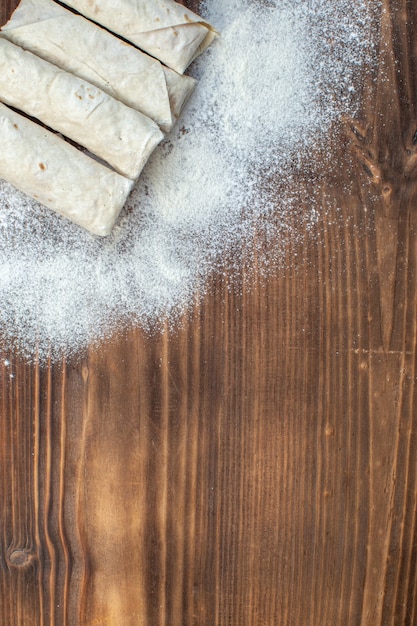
257 466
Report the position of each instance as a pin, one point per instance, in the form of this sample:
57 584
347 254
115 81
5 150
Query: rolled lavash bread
76 45
163 28
116 133
58 175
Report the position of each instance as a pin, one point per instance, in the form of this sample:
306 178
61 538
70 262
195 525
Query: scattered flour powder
270 87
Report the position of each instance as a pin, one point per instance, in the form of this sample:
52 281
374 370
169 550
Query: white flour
270 88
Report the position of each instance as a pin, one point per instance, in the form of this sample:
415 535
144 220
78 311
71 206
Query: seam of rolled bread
116 133
163 28
81 47
56 174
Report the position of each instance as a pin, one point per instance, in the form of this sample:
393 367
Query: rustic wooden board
257 466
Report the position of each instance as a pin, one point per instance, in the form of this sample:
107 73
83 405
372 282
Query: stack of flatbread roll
108 77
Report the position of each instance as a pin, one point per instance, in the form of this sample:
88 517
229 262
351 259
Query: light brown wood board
255 466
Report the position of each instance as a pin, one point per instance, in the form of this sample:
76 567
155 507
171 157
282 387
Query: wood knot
21 558
391 168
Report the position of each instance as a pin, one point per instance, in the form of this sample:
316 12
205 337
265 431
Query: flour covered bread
119 135
59 176
79 46
163 28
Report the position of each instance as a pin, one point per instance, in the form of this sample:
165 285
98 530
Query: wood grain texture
256 466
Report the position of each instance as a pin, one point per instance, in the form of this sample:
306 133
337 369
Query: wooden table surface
257 465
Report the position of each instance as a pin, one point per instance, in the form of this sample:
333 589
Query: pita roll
163 28
76 45
59 176
119 135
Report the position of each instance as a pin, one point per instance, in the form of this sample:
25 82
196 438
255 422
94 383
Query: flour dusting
281 74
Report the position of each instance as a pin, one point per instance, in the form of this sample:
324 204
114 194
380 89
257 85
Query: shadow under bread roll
79 46
116 133
163 28
59 176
